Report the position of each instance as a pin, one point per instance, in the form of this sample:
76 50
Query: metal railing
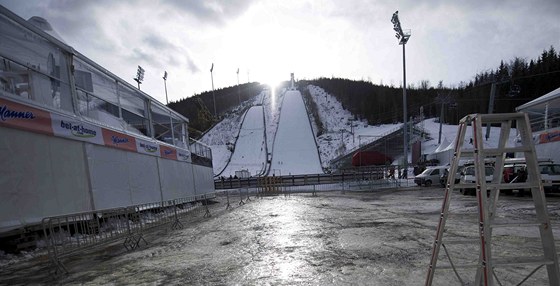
370 178
67 235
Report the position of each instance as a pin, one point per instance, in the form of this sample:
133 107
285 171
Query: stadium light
403 37
139 76
165 84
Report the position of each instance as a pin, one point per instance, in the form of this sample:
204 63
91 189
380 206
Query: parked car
429 176
468 177
550 174
444 175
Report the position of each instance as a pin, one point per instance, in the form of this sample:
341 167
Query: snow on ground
224 133
449 134
250 149
342 133
340 137
294 150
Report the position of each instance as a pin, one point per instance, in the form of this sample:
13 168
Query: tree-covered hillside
199 109
517 81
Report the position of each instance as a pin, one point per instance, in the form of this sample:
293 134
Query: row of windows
35 69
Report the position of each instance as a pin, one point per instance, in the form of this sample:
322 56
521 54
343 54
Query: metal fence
67 235
366 178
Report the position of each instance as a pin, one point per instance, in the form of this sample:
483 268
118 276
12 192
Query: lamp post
165 84
238 89
403 37
139 76
213 93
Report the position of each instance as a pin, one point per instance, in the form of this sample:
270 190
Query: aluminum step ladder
487 194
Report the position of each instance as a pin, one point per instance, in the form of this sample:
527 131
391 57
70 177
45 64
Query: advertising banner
119 140
548 137
183 155
77 130
24 117
147 147
168 152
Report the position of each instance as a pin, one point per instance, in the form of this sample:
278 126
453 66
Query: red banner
119 140
24 117
168 152
551 136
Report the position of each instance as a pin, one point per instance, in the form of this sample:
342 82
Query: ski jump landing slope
294 151
250 149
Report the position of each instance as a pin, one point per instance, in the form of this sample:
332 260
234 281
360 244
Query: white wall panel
176 179
40 176
204 179
109 177
143 178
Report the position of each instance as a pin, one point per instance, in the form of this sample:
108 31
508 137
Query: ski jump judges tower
74 137
493 254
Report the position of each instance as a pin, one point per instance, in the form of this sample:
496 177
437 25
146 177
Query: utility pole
213 92
440 121
238 89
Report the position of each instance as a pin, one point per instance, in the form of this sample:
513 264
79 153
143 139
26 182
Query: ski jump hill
250 147
294 150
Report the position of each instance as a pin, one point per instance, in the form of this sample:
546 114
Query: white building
74 137
544 115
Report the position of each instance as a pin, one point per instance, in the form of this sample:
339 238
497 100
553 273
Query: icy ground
359 238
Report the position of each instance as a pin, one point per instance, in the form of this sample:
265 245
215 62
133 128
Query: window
96 94
133 110
33 68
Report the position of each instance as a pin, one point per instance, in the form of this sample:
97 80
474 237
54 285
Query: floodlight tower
139 76
403 37
165 84
213 93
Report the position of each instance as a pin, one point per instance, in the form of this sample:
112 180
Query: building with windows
544 115
74 137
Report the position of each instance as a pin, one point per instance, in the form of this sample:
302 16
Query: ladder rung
512 186
497 152
531 260
500 117
465 186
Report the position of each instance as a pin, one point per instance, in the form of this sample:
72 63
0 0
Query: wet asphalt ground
353 238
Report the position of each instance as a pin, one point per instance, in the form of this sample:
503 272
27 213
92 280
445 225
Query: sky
267 40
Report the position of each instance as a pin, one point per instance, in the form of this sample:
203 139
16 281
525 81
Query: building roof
540 102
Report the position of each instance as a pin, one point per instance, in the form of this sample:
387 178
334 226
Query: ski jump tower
292 82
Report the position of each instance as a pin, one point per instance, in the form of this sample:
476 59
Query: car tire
428 183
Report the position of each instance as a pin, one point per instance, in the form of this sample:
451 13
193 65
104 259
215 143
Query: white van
429 176
468 177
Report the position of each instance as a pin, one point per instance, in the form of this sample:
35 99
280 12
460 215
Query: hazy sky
267 39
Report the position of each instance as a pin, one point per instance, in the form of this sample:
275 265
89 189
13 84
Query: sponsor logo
148 148
119 140
167 152
6 114
183 155
78 130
